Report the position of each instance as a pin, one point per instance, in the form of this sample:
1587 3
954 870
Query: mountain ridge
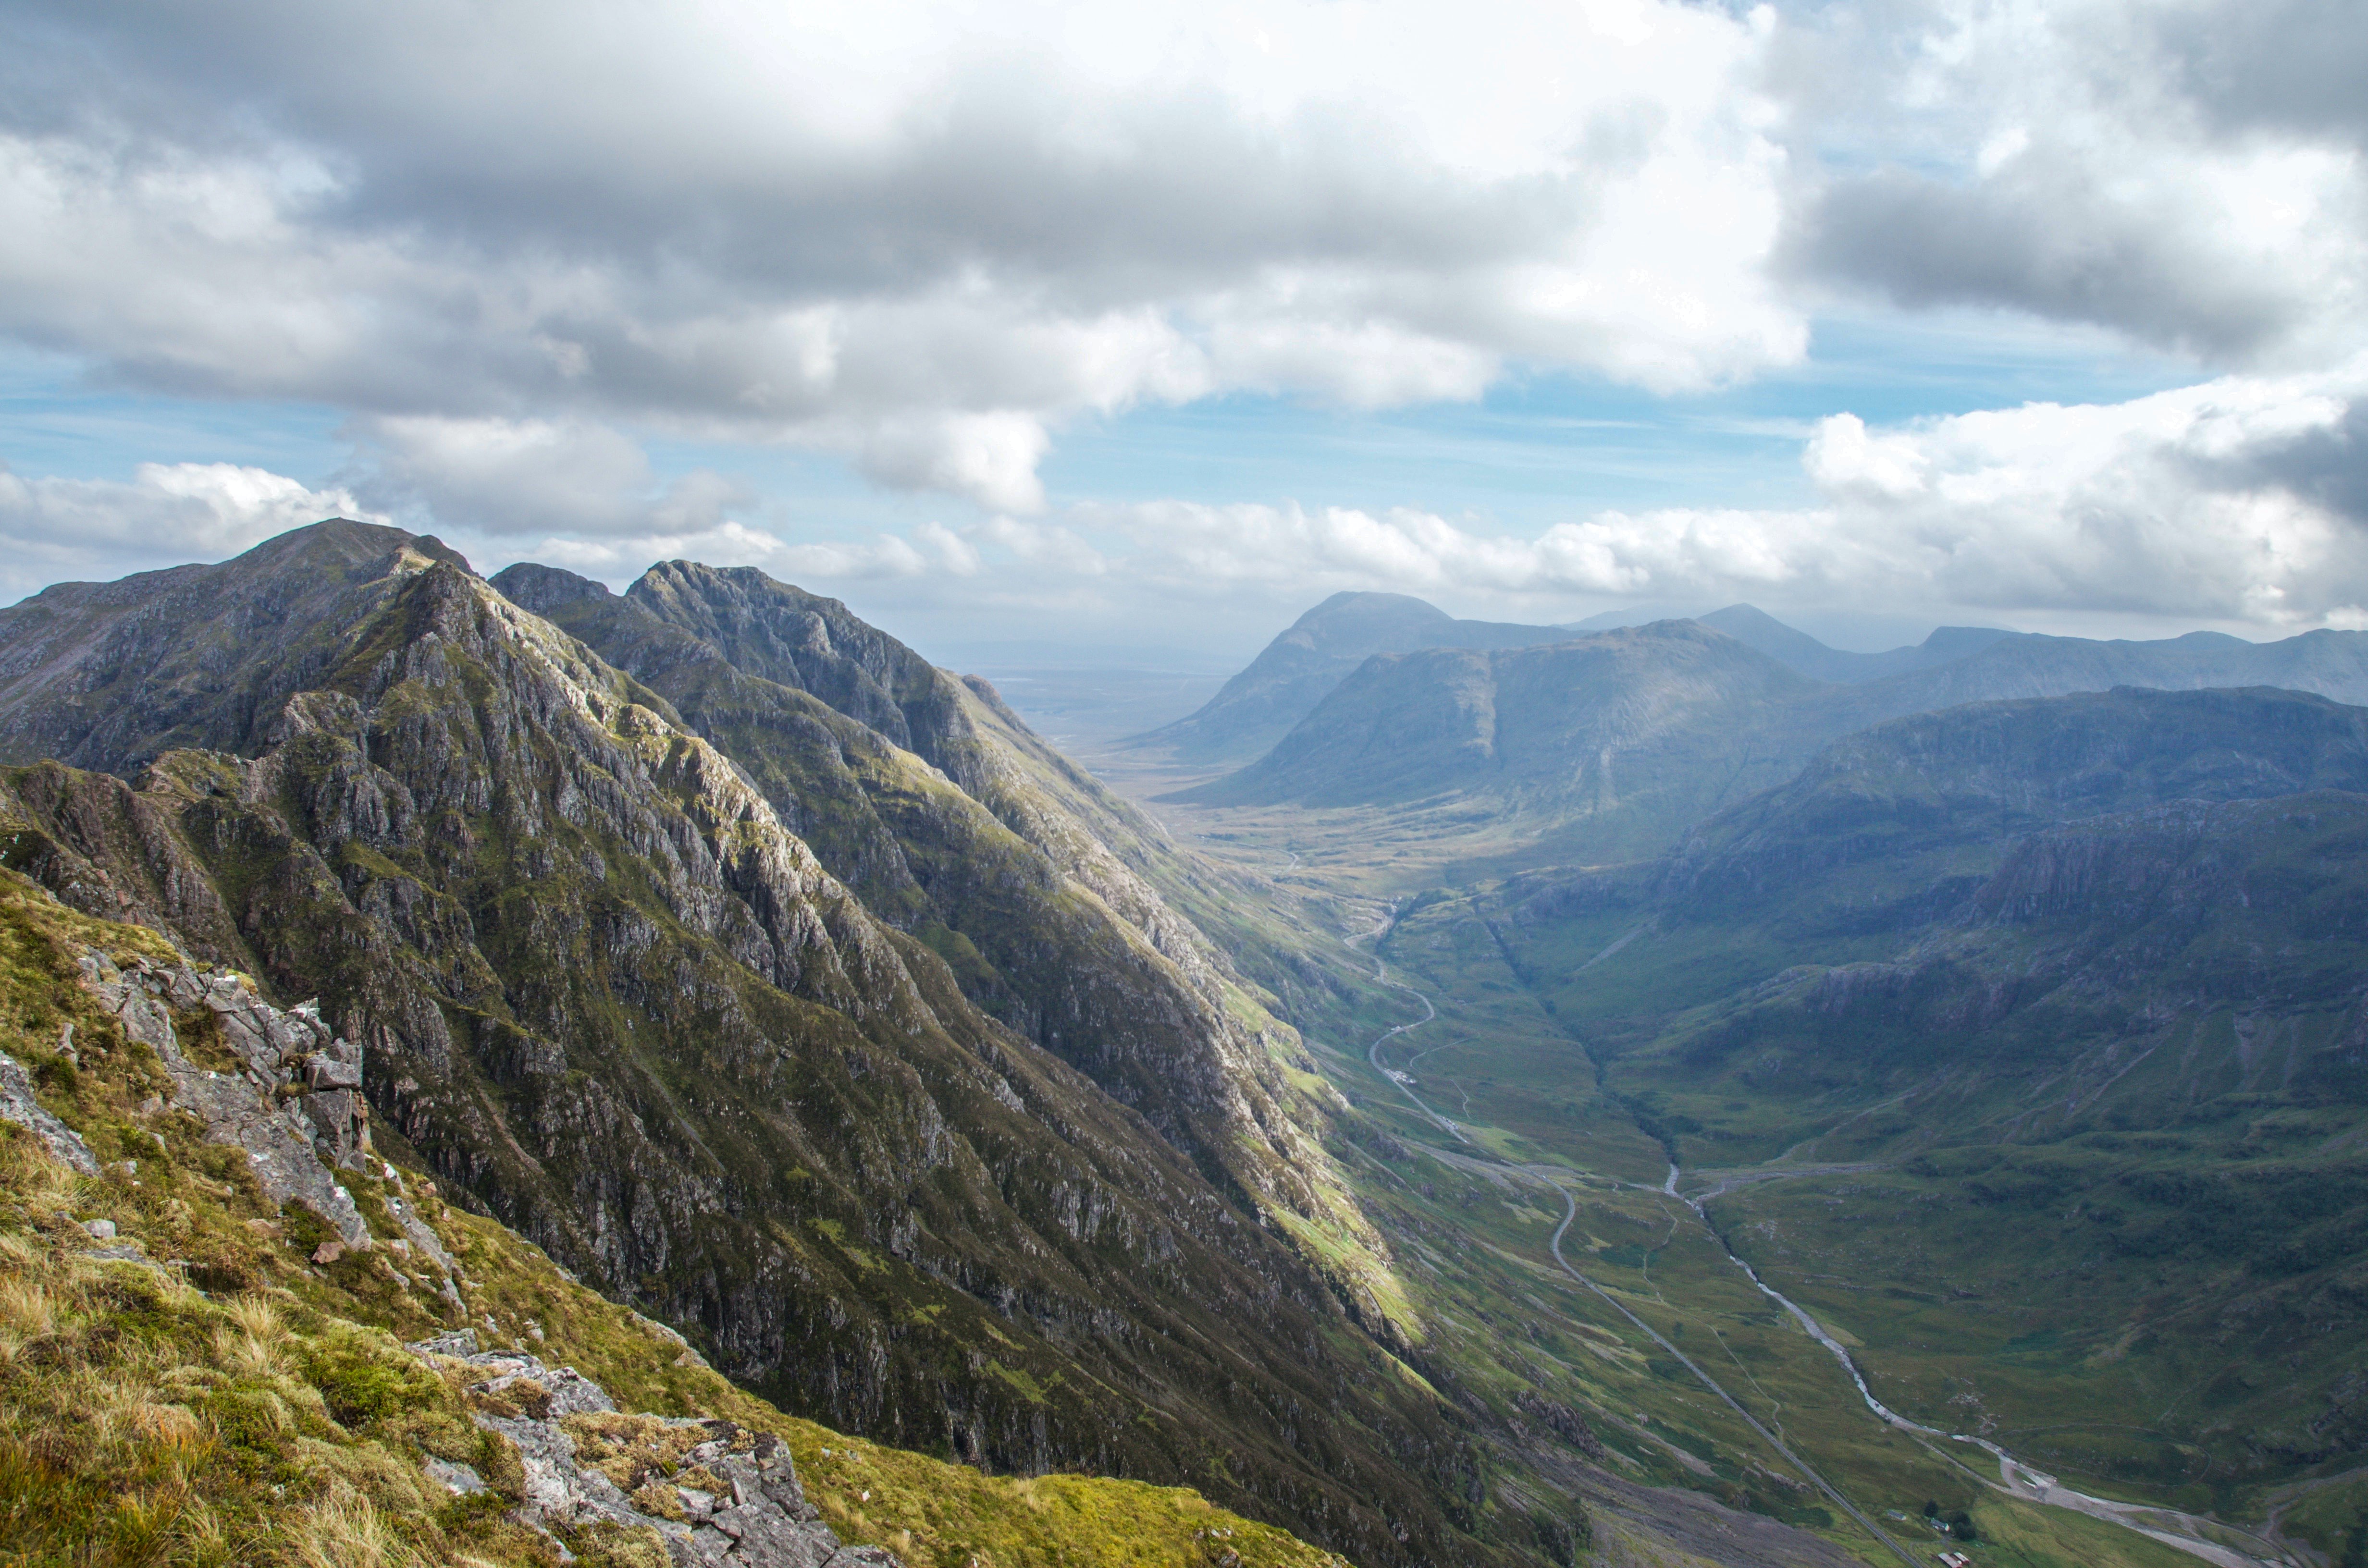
614 1001
1410 727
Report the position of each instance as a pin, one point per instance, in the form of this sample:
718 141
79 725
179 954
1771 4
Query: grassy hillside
197 1390
2061 1124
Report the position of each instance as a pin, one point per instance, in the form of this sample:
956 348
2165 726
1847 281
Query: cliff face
609 993
854 740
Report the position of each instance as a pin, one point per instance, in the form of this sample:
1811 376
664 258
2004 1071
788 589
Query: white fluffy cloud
508 478
917 233
53 529
511 245
2241 501
933 551
2193 173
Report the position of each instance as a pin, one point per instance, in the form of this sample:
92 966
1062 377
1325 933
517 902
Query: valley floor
1547 1253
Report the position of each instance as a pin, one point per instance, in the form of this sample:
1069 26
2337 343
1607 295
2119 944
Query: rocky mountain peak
853 1045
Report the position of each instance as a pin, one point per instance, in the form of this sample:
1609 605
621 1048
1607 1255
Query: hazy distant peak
1955 642
1318 651
1371 622
1347 598
531 585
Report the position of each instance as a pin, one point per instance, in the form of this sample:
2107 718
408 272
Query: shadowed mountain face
1629 734
1888 833
1322 648
1935 784
1614 744
612 993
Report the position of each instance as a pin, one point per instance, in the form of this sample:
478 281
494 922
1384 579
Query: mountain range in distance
1999 1002
1288 679
1605 745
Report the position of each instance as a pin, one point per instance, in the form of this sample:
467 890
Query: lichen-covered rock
17 1104
291 1138
716 1493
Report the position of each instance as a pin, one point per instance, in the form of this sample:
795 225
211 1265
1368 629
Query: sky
1147 327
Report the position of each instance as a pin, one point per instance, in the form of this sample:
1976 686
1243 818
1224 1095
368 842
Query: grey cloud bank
514 247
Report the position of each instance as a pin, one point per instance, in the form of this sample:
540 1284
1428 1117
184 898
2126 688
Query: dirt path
2172 1527
2169 1525
1569 1213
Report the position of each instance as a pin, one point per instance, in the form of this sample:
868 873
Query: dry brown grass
345 1529
277 1424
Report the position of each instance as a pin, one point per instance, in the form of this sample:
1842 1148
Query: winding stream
1570 1212
2169 1525
2185 1531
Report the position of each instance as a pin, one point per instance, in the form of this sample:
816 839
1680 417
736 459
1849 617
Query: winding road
2169 1526
2185 1531
1398 1079
1570 1212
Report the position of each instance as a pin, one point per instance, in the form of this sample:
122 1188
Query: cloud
934 552
2238 501
917 235
53 529
501 478
1039 544
2189 173
2242 502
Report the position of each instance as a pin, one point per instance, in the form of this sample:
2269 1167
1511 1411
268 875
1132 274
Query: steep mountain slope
617 1003
1632 734
1310 658
250 1403
111 675
852 737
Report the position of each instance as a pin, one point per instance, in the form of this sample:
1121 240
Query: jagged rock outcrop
934 802
294 1101
608 992
18 1105
1564 1421
716 1494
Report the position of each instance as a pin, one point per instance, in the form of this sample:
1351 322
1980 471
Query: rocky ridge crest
716 1494
609 994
